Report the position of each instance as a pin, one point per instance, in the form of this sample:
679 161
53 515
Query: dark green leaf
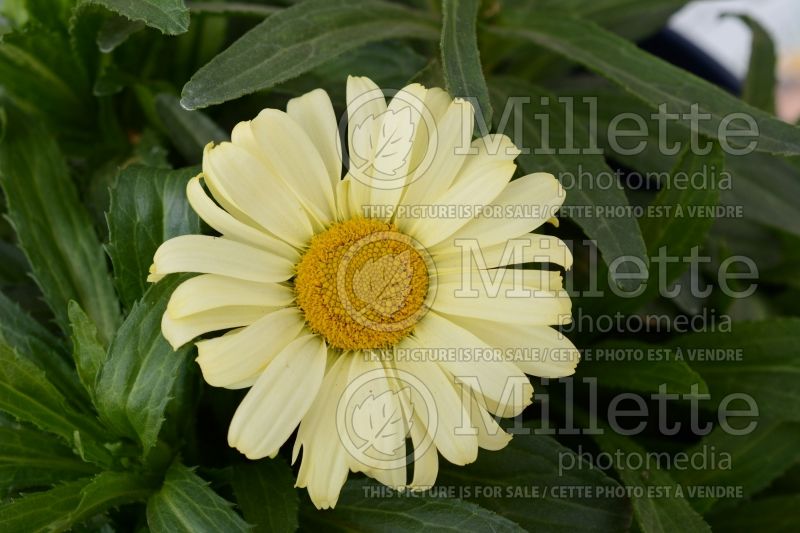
616 237
186 504
624 63
26 394
360 510
296 40
53 228
71 503
115 30
87 349
266 495
232 8
30 458
169 16
148 207
189 131
534 462
777 514
460 57
759 86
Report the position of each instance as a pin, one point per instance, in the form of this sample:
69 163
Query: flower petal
314 113
179 331
210 291
528 248
279 399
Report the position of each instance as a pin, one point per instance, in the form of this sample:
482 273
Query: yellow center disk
362 285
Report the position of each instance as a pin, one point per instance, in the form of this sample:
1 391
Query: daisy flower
379 313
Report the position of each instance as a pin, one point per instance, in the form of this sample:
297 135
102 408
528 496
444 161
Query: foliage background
103 427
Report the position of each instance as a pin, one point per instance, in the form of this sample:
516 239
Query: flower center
362 284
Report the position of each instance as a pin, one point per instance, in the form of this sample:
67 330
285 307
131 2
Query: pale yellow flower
354 316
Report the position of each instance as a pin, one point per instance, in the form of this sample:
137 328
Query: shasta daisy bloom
376 313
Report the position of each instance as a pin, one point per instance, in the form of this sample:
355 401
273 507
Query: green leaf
233 8
296 40
115 30
667 510
623 63
266 495
764 364
37 345
30 458
359 509
534 462
169 16
26 394
88 351
616 237
460 56
186 503
648 367
189 131
148 207
69 504
53 228
777 514
141 372
756 460
759 86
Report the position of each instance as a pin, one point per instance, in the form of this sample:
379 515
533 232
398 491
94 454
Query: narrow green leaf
616 237
763 365
776 514
460 56
139 376
296 40
359 509
232 8
187 504
623 63
69 504
30 458
169 16
266 495
759 86
664 511
53 228
26 394
755 461
148 207
189 131
533 463
88 351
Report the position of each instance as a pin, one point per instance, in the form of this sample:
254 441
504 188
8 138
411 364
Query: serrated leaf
266 495
87 349
26 394
169 16
30 458
141 372
296 40
185 503
53 227
189 131
148 207
616 237
623 63
534 462
358 510
461 60
69 504
115 30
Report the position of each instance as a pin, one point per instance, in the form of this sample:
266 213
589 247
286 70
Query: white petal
528 248
292 156
531 201
230 227
314 113
490 435
365 103
236 360
537 350
210 291
179 331
218 255
324 468
257 192
279 399
506 389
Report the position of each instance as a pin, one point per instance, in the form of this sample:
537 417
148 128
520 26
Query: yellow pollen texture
362 285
